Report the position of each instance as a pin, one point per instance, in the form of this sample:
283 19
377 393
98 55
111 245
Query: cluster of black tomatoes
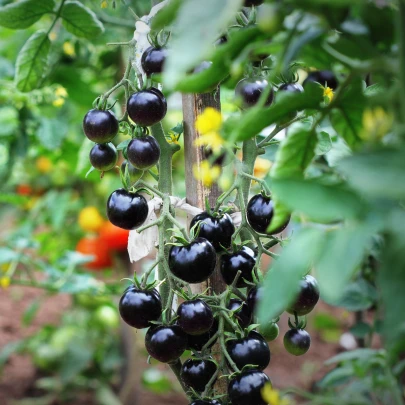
196 323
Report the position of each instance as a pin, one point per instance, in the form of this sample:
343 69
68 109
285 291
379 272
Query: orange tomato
97 248
114 237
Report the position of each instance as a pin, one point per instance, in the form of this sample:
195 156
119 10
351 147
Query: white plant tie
141 244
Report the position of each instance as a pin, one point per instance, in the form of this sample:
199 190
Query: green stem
401 37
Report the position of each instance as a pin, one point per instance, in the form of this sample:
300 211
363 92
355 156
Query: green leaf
32 62
320 202
337 376
281 283
358 296
280 217
295 152
80 20
24 13
197 26
7 255
324 143
377 174
31 311
106 396
347 118
9 349
360 329
286 103
358 354
51 132
166 15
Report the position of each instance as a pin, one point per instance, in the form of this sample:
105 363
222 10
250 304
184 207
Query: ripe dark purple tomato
291 87
252 349
243 314
139 307
260 212
143 152
307 297
250 3
100 126
195 317
297 341
193 263
253 297
196 373
146 107
127 210
165 343
196 342
153 59
218 230
250 90
245 389
323 77
243 260
103 156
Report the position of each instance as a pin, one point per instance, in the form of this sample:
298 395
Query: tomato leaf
80 20
24 13
296 152
324 143
281 215
32 62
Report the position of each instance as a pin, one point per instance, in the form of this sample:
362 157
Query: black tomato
243 314
196 373
196 342
146 107
249 3
252 349
103 156
245 389
139 307
153 59
100 126
134 173
291 87
165 343
193 263
269 331
143 152
307 297
260 212
253 298
323 77
243 260
127 210
217 230
250 90
195 317
297 341
160 95
204 402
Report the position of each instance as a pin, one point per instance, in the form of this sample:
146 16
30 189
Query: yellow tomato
90 219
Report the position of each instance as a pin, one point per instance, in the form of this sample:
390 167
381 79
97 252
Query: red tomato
24 189
114 237
96 247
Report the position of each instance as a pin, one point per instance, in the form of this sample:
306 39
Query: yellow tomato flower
209 121
211 139
58 102
173 138
376 124
68 49
104 4
328 93
60 91
90 219
262 167
272 396
206 173
4 282
44 165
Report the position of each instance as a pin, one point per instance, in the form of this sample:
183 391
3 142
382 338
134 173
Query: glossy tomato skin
253 297
244 314
249 3
195 317
260 212
139 307
297 341
307 298
115 238
127 210
146 107
196 373
243 260
250 90
245 389
103 156
98 248
217 230
252 349
291 87
153 59
143 152
100 126
323 77
193 263
165 343
196 342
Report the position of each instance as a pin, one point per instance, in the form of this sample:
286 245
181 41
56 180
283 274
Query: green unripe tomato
269 331
107 317
269 18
